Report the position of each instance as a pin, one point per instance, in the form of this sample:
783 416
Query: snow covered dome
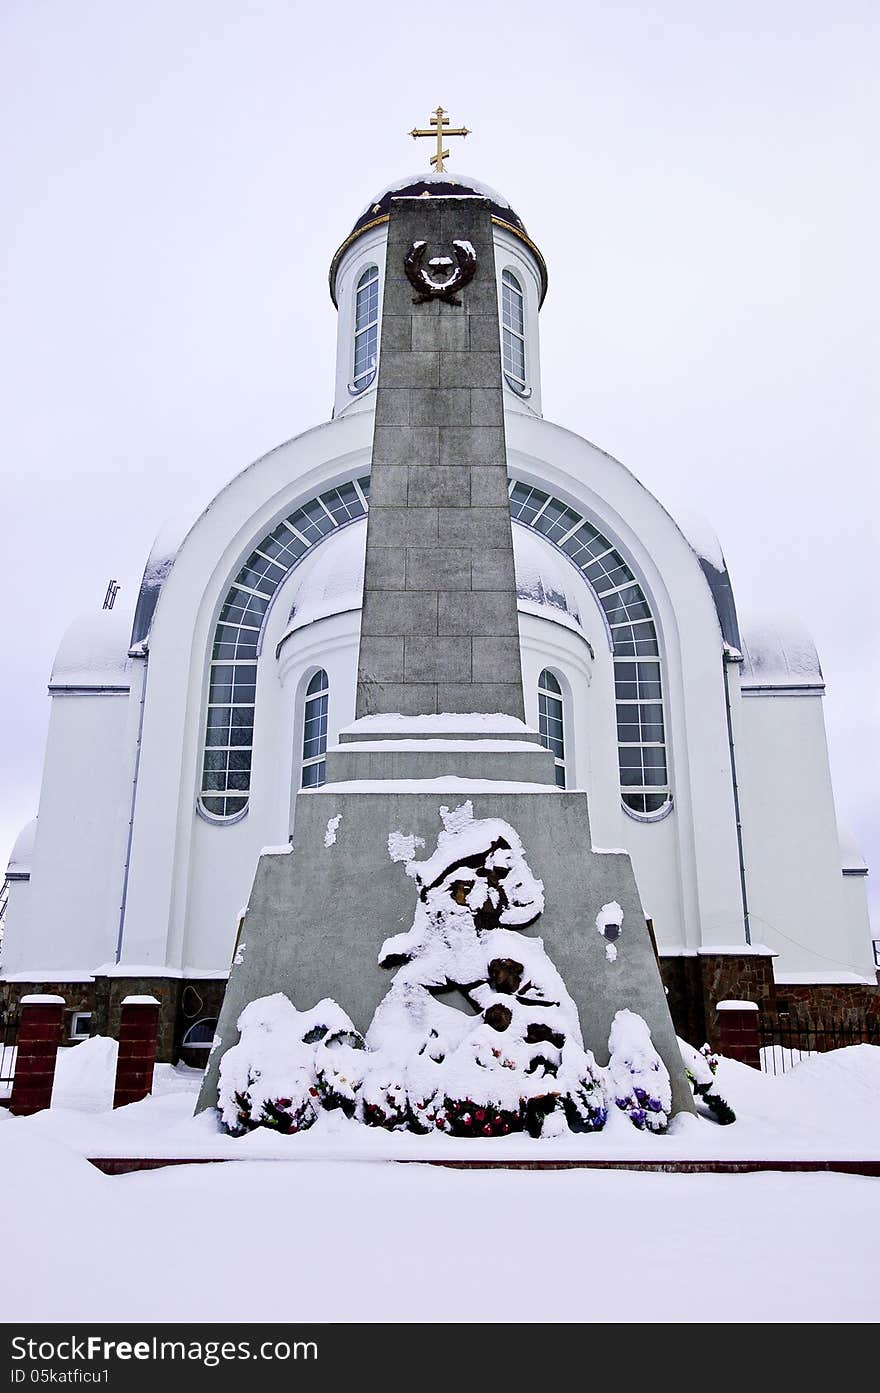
437 185
544 578
94 652
330 579
19 866
779 653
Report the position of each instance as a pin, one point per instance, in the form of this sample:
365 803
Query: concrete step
510 760
400 728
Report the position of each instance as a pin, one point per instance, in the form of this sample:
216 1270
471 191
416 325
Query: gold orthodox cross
441 129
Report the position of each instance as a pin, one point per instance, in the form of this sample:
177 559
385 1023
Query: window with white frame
513 331
366 329
315 731
551 720
80 1025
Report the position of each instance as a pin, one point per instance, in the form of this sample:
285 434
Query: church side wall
796 893
75 862
173 729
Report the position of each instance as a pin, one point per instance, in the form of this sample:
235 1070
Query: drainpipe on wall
739 836
134 783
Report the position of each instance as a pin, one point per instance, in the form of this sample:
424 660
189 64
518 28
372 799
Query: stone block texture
439 628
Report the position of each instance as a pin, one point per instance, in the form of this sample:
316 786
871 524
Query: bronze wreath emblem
457 273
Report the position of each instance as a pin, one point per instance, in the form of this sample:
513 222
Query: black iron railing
786 1041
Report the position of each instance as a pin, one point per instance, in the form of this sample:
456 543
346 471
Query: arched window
229 731
366 329
513 331
644 775
315 731
200 1036
550 720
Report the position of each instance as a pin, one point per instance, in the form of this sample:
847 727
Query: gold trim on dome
377 222
344 246
523 237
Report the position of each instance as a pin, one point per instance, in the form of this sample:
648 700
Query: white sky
701 177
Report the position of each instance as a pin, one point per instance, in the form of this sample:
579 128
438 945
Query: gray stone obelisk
439 636
439 629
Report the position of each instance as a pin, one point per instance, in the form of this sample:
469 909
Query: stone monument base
321 908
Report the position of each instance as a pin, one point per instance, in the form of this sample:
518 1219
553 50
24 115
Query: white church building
193 722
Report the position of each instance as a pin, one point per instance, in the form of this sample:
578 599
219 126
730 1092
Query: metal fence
786 1042
8 1050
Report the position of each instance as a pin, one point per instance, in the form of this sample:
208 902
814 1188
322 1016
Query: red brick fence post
738 1031
39 1034
138 1034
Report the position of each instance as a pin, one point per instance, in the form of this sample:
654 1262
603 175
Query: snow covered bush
639 1077
700 1067
271 1077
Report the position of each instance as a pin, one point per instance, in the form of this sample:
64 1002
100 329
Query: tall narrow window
314 763
366 329
513 331
550 721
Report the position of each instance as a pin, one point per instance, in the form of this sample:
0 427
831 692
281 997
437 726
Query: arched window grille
513 331
644 780
366 329
314 763
551 720
226 776
232 685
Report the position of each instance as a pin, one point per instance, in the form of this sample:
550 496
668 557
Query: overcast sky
701 177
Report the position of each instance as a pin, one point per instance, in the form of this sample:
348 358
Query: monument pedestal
320 910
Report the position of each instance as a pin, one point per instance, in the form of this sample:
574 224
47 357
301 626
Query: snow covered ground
367 1240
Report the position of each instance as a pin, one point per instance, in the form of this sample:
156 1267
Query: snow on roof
330 580
22 852
163 554
476 186
544 576
94 652
851 858
779 653
701 536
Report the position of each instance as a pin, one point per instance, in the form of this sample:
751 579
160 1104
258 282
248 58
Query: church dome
331 579
444 185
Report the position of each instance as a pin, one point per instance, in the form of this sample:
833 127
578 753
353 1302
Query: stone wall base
694 984
181 1004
